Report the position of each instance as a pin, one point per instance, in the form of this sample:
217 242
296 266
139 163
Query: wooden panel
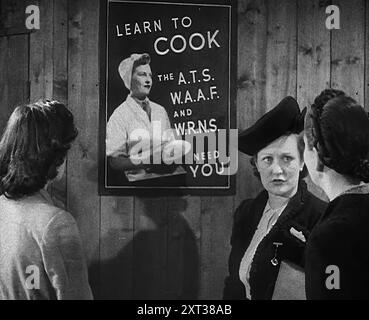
60 50
60 80
251 103
12 13
183 246
83 100
348 49
313 51
313 66
13 16
41 54
216 226
115 268
150 249
281 51
4 85
13 75
48 68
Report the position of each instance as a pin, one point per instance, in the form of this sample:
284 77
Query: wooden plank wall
172 247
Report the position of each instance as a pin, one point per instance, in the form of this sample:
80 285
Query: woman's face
311 161
141 81
279 165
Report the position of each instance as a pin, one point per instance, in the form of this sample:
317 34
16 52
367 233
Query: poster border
232 110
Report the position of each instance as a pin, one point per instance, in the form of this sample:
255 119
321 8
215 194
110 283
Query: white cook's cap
126 66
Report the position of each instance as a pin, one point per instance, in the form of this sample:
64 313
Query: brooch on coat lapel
274 260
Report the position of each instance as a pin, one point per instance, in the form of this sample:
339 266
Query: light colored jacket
129 117
41 254
122 132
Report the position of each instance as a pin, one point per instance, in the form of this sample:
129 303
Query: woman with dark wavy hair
337 157
40 248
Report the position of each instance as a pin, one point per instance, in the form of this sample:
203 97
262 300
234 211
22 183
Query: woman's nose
276 168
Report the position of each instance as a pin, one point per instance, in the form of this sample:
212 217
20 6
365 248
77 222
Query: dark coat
340 239
302 213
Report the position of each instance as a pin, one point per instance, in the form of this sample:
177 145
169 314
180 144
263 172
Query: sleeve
64 259
168 131
330 267
116 137
233 287
165 118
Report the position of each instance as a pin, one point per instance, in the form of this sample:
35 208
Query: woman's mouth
278 181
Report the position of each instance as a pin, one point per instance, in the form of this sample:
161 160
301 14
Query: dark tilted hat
285 117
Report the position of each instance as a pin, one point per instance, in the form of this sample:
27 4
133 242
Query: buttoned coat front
302 213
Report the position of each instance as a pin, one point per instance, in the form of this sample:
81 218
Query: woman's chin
281 190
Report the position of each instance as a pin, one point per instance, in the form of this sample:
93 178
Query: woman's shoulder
243 210
157 108
50 207
346 214
312 201
60 224
50 216
51 222
348 211
350 202
34 215
335 232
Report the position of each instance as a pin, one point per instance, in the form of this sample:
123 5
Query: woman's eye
268 160
287 159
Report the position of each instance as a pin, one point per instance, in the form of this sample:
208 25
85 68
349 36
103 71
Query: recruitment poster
189 68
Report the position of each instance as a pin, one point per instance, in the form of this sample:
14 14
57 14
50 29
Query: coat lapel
257 208
293 207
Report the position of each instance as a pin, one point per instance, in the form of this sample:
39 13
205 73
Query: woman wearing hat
337 157
136 112
274 226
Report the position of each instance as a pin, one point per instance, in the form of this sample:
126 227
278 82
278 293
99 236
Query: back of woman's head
34 144
338 127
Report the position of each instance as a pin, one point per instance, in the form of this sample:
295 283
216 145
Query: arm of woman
64 260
